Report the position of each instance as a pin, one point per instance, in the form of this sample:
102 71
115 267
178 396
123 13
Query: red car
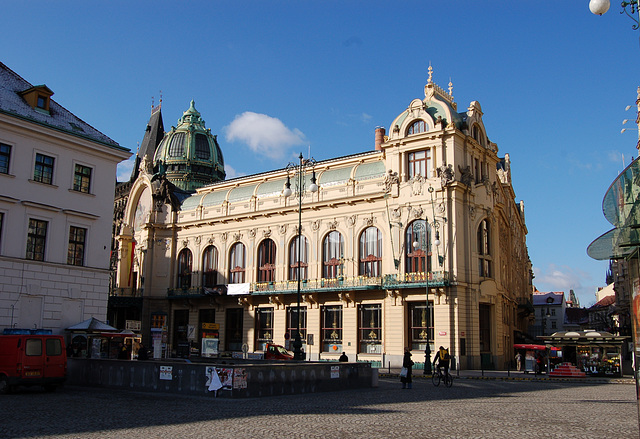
276 352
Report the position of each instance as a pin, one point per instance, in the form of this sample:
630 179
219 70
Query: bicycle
439 376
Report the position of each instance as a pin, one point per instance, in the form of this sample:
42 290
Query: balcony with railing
416 280
341 283
126 292
195 292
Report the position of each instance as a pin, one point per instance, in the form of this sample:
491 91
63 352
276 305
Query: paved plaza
472 408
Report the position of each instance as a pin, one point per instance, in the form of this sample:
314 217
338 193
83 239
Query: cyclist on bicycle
442 358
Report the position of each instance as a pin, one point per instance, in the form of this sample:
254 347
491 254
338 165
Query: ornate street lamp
299 170
600 7
421 229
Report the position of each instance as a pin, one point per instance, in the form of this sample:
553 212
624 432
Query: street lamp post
298 169
422 230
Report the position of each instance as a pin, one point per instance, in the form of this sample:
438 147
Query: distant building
418 241
549 311
603 316
57 175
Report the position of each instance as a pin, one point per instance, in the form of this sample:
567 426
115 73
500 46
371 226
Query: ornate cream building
209 257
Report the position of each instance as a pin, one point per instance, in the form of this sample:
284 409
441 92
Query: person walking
407 363
519 361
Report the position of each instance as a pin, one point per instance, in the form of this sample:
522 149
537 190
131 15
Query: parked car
276 352
32 360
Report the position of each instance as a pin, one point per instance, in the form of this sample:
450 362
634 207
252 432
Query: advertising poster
240 378
219 378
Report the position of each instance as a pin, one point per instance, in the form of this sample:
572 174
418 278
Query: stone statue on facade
446 174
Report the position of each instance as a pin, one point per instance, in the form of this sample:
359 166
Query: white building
57 179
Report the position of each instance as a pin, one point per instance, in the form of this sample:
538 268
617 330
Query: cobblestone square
470 409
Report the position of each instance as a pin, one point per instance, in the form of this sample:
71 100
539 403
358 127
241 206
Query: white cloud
265 135
231 172
565 278
124 169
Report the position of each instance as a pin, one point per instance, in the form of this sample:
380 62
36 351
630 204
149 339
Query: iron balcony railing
335 284
341 283
126 292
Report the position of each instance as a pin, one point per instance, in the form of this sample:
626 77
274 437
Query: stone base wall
240 379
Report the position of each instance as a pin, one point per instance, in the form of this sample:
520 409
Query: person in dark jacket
143 354
408 364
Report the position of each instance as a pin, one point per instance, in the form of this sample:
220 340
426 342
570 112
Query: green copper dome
189 155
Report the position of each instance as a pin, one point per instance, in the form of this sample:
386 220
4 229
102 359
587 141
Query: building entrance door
233 329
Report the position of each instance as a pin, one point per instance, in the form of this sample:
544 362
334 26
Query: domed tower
189 155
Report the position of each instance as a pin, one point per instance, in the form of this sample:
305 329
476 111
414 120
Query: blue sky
553 81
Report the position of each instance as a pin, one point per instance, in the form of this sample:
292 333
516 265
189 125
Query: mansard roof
13 93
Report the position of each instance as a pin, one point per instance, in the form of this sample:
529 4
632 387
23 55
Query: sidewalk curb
515 378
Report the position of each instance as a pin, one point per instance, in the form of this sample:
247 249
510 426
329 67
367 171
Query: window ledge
42 183
82 193
7 175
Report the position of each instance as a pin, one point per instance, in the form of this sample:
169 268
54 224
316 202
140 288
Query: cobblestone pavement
470 409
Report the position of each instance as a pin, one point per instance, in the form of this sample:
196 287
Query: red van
32 360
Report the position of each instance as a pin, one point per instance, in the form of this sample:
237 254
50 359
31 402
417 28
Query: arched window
417 245
419 126
477 134
266 261
176 148
332 253
210 267
236 263
370 252
203 151
298 258
484 249
185 263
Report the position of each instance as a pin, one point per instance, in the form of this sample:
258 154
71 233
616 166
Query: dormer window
419 126
38 98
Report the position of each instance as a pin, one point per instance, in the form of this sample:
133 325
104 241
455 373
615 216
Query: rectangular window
36 239
421 326
370 328
33 347
53 347
292 323
332 328
77 241
419 163
264 328
43 171
5 155
82 179
158 321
